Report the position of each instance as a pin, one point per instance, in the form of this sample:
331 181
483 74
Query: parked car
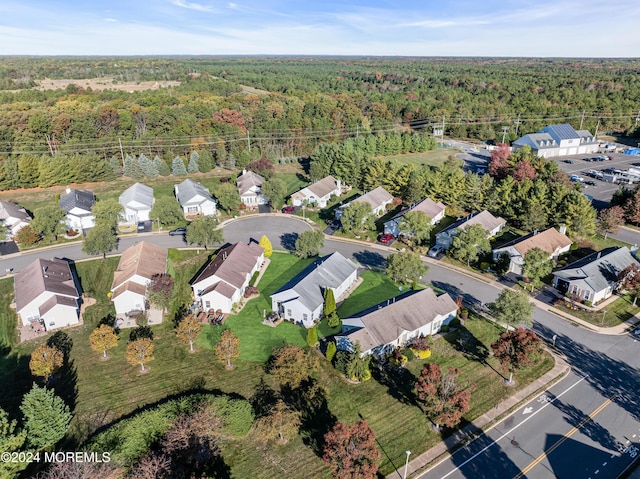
386 238
288 209
435 251
178 232
576 178
590 183
569 161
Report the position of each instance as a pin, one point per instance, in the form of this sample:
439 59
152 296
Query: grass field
616 313
429 158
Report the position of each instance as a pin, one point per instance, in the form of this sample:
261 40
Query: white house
435 211
301 299
194 199
249 187
137 201
78 204
378 199
551 241
13 216
47 294
223 281
594 277
393 323
137 266
558 140
318 193
490 223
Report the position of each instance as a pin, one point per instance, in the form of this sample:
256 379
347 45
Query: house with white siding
137 266
318 193
249 188
224 280
434 211
391 324
558 140
489 223
78 205
13 217
378 199
194 199
137 201
301 300
47 295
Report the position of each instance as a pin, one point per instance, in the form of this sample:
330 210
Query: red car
288 209
386 238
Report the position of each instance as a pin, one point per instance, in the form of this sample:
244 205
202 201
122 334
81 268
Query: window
52 323
289 312
305 317
587 295
207 304
192 209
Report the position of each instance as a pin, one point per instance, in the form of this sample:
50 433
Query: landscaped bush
588 303
251 291
484 266
455 322
422 354
237 415
444 328
331 351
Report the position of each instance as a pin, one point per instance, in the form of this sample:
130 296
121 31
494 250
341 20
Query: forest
241 109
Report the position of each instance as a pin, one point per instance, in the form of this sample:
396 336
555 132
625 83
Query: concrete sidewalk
485 422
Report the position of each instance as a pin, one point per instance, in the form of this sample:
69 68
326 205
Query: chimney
563 229
244 171
599 254
68 190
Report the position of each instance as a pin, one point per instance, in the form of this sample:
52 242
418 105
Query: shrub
251 291
444 328
237 414
422 354
420 344
484 266
588 303
455 322
331 351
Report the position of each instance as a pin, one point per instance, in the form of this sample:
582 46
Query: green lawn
375 288
616 313
430 158
8 318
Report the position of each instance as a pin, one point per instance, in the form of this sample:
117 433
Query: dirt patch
104 83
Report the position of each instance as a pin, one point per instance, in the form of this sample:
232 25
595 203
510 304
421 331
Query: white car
435 251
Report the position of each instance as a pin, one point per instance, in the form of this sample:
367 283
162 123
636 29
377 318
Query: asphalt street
582 429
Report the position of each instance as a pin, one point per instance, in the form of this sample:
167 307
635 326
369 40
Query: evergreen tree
177 167
11 440
116 167
46 417
194 163
312 337
469 243
147 167
206 161
161 166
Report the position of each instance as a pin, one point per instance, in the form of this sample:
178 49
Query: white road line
514 428
604 463
597 471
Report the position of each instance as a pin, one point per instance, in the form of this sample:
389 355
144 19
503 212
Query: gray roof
137 193
384 323
232 264
247 180
82 199
8 209
537 140
482 218
587 135
563 131
42 275
600 269
323 187
375 198
189 189
428 206
328 272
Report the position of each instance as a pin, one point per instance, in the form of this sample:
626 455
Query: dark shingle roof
563 131
42 275
82 199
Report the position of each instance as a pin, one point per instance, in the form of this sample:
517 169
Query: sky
506 28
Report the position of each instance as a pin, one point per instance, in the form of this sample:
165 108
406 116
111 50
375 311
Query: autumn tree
100 239
470 243
140 352
46 417
512 308
188 330
26 236
610 220
351 452
498 165
629 279
416 226
444 400
515 349
264 167
45 361
159 290
265 244
102 339
291 365
524 170
308 243
228 348
203 231
537 265
279 425
405 267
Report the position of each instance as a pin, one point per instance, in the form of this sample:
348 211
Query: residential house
318 193
13 216
137 201
195 199
551 241
249 187
138 264
223 281
78 205
393 323
558 140
483 218
594 277
301 300
378 199
435 211
47 295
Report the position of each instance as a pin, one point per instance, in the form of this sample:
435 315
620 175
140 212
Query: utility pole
248 141
121 152
517 122
582 119
595 135
504 133
443 131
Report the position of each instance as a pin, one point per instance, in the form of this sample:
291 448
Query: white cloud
193 6
109 19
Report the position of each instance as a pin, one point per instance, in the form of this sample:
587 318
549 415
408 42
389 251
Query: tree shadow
399 382
14 371
65 384
371 259
288 241
465 342
310 399
263 399
455 292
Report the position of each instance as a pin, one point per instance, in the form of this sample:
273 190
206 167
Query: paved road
628 235
603 386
